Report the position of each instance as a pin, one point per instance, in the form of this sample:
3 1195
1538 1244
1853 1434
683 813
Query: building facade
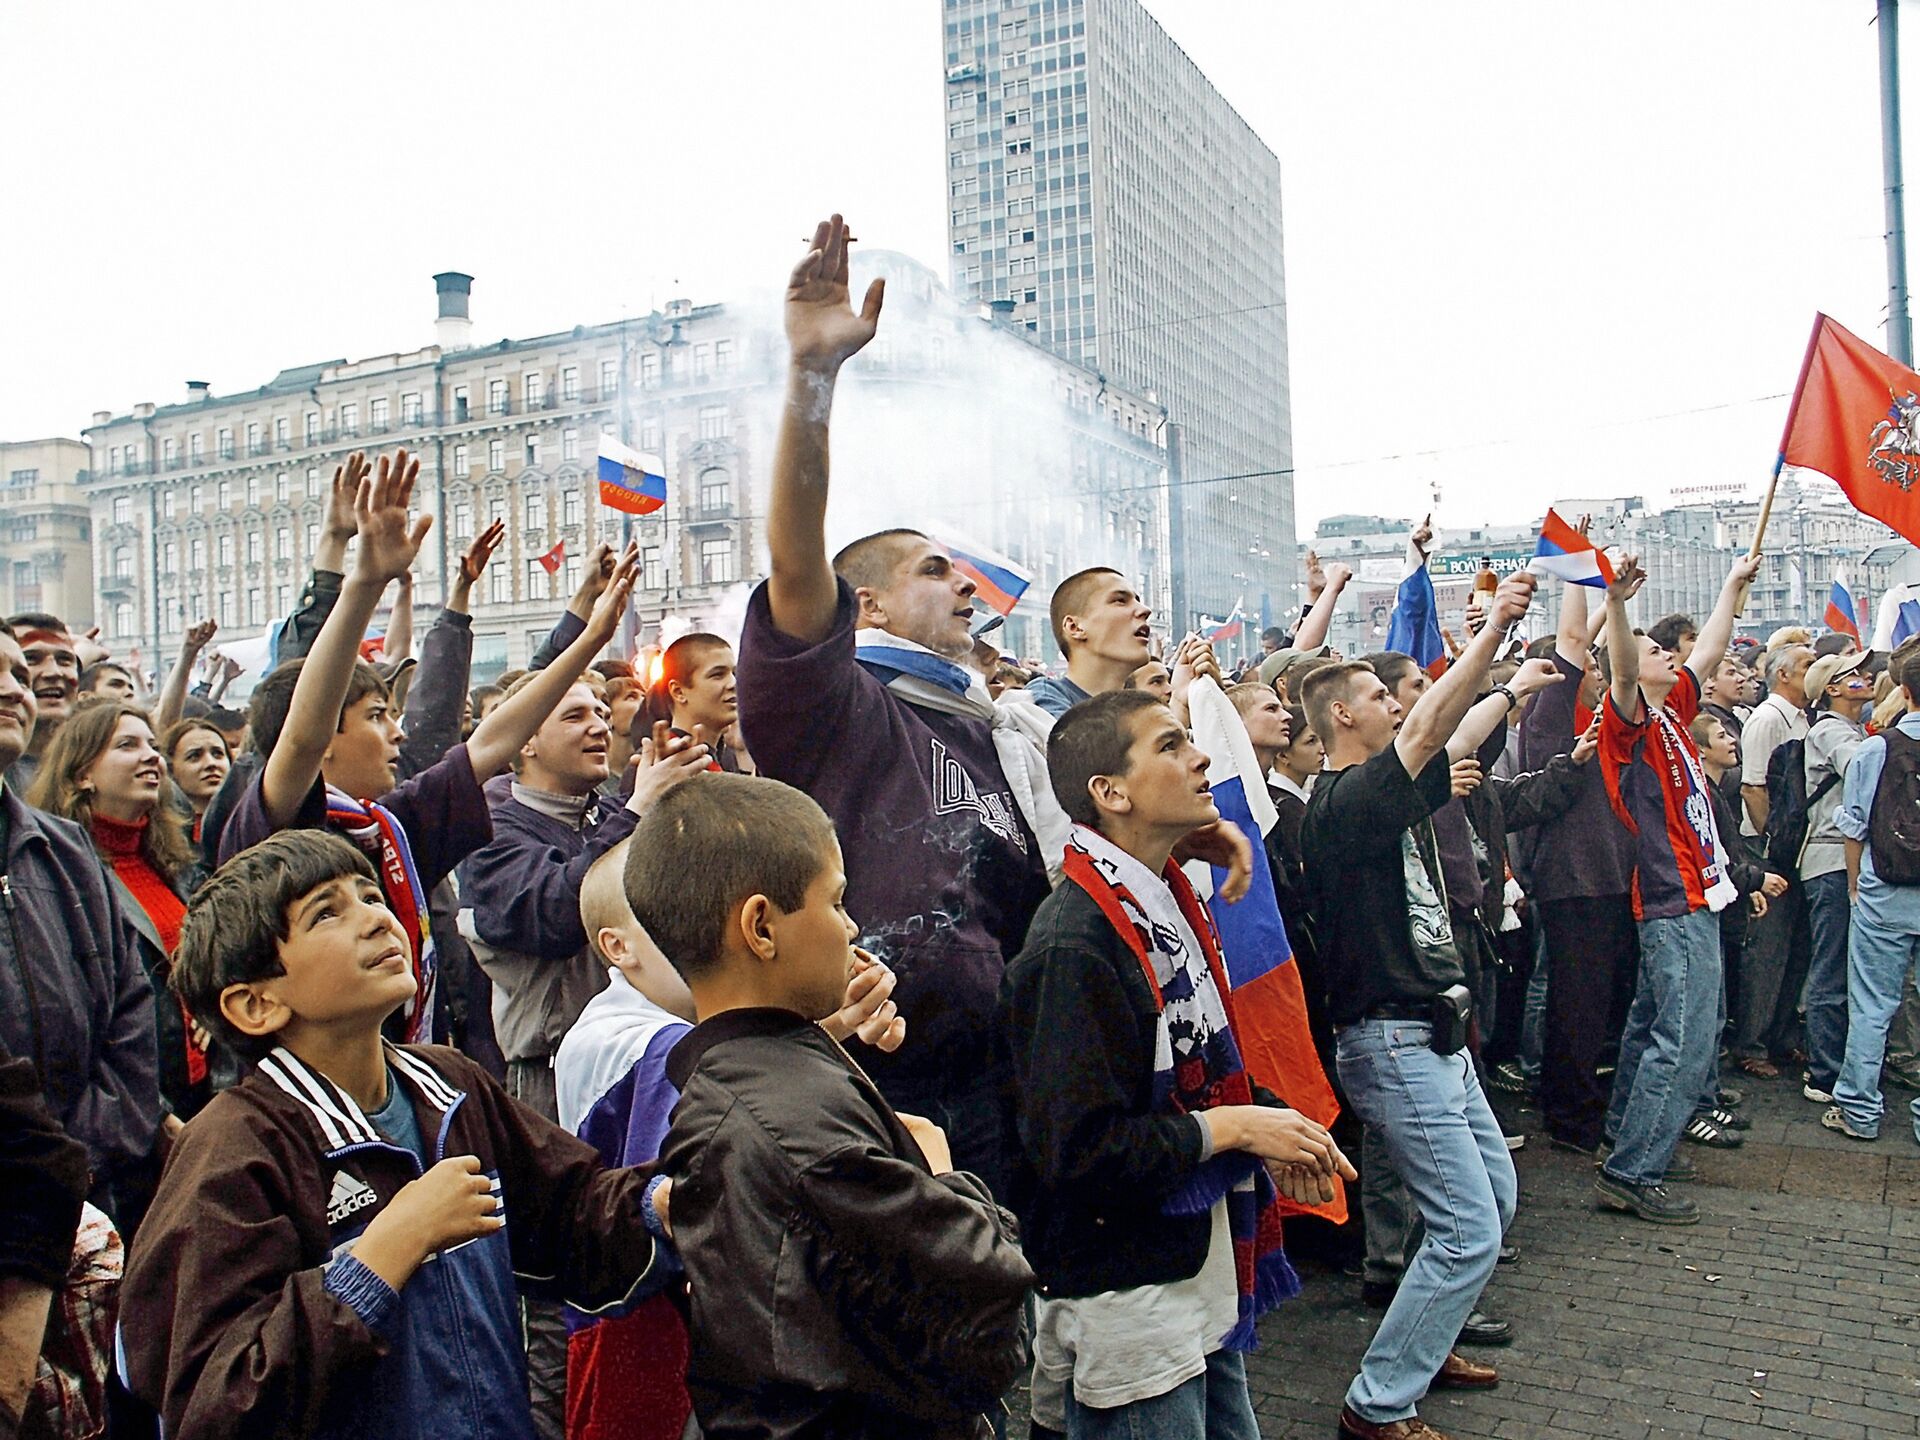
47 527
951 421
1104 192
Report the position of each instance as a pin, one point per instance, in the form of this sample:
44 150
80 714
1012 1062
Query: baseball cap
1827 669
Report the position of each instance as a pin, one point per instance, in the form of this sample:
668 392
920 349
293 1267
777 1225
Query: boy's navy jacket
840 1289
229 1325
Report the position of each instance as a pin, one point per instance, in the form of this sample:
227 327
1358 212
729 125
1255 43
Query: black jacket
1500 806
1094 1161
43 1175
73 996
839 1288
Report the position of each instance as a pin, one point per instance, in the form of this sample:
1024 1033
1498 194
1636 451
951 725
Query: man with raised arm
852 686
1658 788
1391 961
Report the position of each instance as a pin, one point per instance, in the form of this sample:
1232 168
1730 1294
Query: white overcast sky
1534 249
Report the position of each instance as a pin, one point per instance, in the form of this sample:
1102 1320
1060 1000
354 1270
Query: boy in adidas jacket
338 1244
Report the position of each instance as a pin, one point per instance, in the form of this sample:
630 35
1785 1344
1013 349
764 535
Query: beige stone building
45 530
952 420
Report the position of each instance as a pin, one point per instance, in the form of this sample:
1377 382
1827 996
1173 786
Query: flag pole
1780 459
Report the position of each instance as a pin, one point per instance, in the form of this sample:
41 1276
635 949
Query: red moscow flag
552 560
1855 418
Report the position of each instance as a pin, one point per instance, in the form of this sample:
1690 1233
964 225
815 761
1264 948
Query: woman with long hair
104 772
196 755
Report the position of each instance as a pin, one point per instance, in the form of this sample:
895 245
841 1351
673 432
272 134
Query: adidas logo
349 1195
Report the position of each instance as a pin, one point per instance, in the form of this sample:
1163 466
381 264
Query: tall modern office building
1119 208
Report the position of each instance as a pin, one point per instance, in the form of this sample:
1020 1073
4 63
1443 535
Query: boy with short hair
336 1243
1138 1168
846 1281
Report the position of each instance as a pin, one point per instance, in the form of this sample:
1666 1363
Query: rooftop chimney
453 330
1000 311
198 391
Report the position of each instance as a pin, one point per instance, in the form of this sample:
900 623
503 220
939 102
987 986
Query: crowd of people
826 1039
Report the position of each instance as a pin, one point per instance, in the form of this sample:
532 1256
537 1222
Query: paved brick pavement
1791 1309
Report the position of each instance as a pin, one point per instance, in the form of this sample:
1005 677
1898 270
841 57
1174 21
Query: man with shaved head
1100 624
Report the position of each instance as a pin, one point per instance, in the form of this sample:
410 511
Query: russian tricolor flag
1841 617
1268 1005
1414 627
1899 617
998 582
629 481
1565 552
1217 631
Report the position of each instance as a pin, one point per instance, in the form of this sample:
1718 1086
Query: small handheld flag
554 558
1840 617
630 482
998 582
1216 632
1898 618
1565 552
1414 627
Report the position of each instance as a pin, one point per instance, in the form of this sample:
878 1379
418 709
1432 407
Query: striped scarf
1197 1062
371 826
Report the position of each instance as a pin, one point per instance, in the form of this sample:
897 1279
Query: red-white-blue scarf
372 827
1197 1061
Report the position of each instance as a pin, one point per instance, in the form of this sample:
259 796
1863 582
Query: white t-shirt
1773 722
1125 1345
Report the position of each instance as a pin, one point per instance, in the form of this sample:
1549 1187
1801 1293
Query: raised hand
1316 575
1511 600
197 638
1337 575
593 579
604 622
389 539
1535 675
1423 535
1628 577
481 550
338 522
822 329
1745 570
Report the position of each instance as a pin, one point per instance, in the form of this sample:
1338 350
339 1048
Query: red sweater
120 843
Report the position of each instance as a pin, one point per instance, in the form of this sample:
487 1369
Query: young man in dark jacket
846 1280
337 1241
1138 1168
74 999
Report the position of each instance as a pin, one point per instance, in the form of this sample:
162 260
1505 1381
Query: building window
312 427
377 410
463 519
123 621
196 447
496 397
410 408
223 442
168 501
350 418
570 506
253 547
722 356
254 447
539 583
650 435
224 607
569 444
702 361
531 387
313 536
609 378
282 487
283 599
123 509
253 491
122 562
716 490
653 570
499 584
459 404
313 483
280 429
196 556
223 550
113 459
460 466
283 543
536 510
170 452
571 570
496 508
716 562
569 382
496 455
169 557
256 606
714 424
226 495
649 370
533 449
197 499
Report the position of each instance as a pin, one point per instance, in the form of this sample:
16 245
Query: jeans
1881 950
1667 1053
1213 1405
1533 1027
1447 1148
1828 909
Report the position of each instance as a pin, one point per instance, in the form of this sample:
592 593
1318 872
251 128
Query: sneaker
1727 1119
1702 1131
1652 1203
1509 1079
1818 1096
1730 1097
1516 1142
1836 1121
